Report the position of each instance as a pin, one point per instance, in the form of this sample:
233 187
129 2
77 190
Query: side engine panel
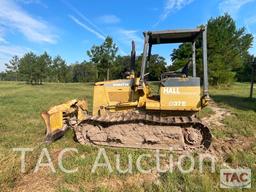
111 93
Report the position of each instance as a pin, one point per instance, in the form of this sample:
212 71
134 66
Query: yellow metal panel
99 98
56 121
119 94
152 104
180 98
111 95
63 107
81 115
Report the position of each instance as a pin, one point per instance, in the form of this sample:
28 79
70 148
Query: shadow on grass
242 103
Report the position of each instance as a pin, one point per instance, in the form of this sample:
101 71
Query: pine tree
227 50
13 66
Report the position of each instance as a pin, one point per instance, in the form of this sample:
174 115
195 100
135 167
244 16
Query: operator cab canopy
169 37
173 36
176 36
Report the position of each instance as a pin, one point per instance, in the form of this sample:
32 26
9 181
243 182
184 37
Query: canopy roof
173 36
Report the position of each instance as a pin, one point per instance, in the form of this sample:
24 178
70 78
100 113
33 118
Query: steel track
123 120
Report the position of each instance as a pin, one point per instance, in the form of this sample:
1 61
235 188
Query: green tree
227 50
42 66
183 54
120 66
244 72
156 67
90 72
3 76
28 68
79 72
33 68
103 56
84 72
180 56
13 67
60 70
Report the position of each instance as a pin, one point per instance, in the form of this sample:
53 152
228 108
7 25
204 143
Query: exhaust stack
133 57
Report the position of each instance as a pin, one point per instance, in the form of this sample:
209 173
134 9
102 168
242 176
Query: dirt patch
40 182
116 183
222 147
138 180
219 115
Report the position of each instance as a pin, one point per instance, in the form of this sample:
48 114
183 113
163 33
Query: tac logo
235 178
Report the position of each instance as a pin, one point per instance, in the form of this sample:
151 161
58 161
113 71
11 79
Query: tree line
104 64
228 60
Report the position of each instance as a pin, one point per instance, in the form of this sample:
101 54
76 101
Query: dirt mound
221 147
219 115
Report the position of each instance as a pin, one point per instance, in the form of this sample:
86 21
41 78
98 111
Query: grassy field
21 126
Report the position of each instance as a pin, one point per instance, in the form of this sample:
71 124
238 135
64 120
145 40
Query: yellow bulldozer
126 114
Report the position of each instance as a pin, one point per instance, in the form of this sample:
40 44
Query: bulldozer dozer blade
60 118
51 134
